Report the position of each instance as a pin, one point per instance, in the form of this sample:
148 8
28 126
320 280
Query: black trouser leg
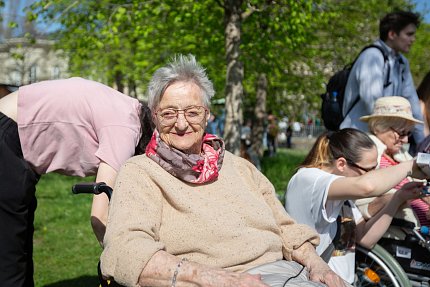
17 207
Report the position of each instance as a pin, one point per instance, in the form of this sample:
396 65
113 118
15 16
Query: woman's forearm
372 230
378 203
368 233
380 181
161 268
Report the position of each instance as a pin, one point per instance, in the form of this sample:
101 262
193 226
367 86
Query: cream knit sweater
235 222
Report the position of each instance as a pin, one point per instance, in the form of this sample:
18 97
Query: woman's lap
275 274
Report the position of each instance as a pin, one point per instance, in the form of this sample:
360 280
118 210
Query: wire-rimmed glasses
193 115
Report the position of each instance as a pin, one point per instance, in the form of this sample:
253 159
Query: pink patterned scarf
193 168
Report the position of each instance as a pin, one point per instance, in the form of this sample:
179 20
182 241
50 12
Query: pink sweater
236 222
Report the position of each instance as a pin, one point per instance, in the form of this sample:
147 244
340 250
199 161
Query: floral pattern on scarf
193 168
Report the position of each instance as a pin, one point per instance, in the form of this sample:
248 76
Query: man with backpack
377 73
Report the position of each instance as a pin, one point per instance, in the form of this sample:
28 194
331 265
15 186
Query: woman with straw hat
390 125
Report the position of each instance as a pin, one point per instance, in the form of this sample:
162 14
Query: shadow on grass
83 281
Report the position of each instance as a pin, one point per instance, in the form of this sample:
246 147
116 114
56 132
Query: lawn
66 251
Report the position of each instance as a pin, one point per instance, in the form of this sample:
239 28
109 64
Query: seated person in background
189 213
423 92
340 167
390 125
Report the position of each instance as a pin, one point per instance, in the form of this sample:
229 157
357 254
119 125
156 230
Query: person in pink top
73 127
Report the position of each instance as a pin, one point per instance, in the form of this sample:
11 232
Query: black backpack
332 99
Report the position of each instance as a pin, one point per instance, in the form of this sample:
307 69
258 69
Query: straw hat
398 107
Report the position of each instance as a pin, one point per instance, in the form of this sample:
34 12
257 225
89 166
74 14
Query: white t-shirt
306 201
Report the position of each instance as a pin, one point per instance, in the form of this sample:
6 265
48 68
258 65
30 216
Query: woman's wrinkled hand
321 272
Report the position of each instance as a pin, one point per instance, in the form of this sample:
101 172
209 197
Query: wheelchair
393 262
96 188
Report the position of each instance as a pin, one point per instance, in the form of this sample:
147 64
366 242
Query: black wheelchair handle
92 188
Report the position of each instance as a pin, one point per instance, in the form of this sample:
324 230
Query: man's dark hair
397 21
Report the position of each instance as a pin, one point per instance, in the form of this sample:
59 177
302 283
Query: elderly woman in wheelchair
390 125
189 213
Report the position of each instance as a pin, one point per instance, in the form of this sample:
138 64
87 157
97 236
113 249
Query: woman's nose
181 122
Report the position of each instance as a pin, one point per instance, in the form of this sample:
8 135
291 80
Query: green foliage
274 35
123 42
419 56
297 44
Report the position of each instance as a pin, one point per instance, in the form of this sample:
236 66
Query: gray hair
383 124
180 69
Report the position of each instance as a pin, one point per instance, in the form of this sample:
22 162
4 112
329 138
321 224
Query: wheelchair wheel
377 267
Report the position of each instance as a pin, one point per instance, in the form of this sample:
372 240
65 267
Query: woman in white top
341 166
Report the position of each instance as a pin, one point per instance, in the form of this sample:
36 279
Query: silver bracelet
177 271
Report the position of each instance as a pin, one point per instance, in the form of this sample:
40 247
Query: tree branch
220 4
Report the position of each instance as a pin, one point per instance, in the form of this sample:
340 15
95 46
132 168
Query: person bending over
72 127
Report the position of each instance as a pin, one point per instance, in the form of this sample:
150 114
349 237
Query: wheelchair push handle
92 188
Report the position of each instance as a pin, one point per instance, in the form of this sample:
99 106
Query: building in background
26 61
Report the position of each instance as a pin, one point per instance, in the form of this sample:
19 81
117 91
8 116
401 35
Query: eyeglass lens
193 114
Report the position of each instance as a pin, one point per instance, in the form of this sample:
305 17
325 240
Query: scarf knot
193 168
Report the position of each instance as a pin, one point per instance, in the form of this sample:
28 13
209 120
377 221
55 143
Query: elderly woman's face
186 132
394 139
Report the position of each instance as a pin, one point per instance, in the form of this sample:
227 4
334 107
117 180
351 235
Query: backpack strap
387 78
384 54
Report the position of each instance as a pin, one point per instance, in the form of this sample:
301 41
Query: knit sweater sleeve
293 234
133 225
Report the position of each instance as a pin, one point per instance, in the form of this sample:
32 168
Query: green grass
66 251
280 168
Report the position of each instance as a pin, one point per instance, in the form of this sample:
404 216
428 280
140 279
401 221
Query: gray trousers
275 274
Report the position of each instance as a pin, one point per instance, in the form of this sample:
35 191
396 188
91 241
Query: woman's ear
341 164
208 116
154 119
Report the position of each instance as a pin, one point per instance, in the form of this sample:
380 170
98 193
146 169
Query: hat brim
367 118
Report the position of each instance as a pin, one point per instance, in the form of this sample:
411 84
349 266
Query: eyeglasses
353 164
193 115
402 133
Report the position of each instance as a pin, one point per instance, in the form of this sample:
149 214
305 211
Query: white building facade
24 62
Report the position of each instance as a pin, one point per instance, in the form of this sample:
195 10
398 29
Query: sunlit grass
280 168
65 249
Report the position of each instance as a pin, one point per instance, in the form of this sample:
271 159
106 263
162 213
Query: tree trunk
119 81
234 77
260 115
